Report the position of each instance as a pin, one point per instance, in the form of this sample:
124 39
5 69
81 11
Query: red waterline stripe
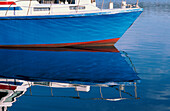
8 87
94 43
7 3
74 49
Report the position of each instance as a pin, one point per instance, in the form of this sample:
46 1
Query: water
147 44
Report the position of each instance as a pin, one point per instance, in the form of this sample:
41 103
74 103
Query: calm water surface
147 44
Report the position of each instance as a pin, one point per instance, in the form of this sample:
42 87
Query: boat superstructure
56 23
57 7
12 89
33 7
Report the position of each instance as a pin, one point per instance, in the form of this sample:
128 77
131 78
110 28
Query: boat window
14 95
42 83
3 94
77 7
57 1
93 1
41 8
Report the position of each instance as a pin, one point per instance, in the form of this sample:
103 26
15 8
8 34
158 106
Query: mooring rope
78 6
102 5
29 7
10 7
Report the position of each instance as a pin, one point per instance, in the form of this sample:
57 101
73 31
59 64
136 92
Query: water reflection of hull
103 66
76 48
84 69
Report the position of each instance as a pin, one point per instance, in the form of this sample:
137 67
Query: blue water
147 45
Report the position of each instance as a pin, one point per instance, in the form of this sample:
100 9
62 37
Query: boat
58 23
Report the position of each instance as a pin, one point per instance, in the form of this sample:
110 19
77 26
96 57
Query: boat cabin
53 7
45 7
61 1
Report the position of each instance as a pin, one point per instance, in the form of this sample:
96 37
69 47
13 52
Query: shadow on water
66 72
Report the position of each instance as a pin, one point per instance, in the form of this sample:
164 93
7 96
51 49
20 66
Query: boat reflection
85 69
93 65
11 89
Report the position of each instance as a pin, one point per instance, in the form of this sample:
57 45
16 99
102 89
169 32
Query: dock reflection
93 70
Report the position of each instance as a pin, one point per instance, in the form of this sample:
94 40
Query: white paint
83 88
124 4
111 5
57 9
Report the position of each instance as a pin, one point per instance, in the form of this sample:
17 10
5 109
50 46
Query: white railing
30 9
10 7
129 5
123 4
14 8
